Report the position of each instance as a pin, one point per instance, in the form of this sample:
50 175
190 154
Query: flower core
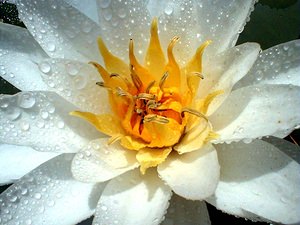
154 105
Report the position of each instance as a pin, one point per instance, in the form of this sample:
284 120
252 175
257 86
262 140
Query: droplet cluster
40 120
277 65
44 196
60 29
76 82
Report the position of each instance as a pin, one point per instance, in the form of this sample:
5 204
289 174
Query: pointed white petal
257 111
258 181
60 29
225 69
41 120
198 21
182 211
122 20
133 199
193 175
19 55
88 8
16 161
76 82
49 195
98 161
276 65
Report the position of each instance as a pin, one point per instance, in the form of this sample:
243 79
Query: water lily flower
131 125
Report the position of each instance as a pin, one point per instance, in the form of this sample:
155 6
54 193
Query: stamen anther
194 112
163 79
135 78
198 74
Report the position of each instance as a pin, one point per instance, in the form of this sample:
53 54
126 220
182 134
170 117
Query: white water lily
214 152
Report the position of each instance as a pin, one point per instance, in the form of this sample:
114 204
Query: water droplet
60 124
285 47
122 13
168 10
51 47
25 126
26 100
28 222
51 203
104 3
13 198
45 67
79 82
13 113
37 195
86 27
107 14
71 69
44 114
259 75
24 191
104 208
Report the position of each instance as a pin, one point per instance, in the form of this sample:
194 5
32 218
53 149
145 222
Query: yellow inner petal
154 106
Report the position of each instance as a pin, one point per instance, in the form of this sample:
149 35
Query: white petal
257 111
276 65
88 8
60 29
197 21
76 82
122 20
16 161
41 120
49 195
98 161
19 54
133 199
287 147
192 175
258 181
186 212
225 69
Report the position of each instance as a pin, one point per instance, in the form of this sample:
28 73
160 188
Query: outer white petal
133 199
122 20
225 69
49 195
287 147
197 21
182 211
41 120
257 111
277 65
76 82
88 8
98 161
19 54
258 181
60 29
193 175
16 161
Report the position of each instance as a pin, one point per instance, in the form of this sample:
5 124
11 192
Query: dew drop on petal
44 67
104 3
51 47
168 10
26 100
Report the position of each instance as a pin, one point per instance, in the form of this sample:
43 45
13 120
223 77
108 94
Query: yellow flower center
154 105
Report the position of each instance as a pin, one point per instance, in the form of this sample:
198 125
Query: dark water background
272 22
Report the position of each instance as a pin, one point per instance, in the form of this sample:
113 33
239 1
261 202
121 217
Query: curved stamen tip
163 79
198 74
194 112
